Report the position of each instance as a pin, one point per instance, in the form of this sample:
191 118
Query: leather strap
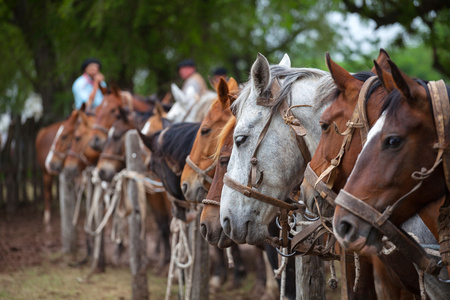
112 156
251 193
202 173
324 191
405 243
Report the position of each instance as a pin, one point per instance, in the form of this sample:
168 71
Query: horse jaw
285 61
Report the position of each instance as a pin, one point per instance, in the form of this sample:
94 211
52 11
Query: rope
357 272
180 256
211 202
333 281
423 295
230 258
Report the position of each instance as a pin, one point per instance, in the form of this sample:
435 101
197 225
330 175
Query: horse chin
224 241
309 196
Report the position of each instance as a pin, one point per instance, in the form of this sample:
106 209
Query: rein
407 245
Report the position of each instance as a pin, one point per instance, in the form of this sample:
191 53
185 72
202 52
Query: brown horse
341 152
51 145
80 155
210 227
108 112
398 146
199 170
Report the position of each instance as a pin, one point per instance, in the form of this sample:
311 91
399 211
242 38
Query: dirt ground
33 267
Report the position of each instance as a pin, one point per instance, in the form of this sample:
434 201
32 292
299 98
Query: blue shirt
82 88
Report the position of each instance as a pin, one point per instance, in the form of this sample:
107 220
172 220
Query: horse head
112 158
61 143
105 116
210 227
197 174
392 163
76 161
266 157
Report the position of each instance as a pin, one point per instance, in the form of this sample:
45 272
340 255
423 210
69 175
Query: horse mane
288 76
226 130
177 141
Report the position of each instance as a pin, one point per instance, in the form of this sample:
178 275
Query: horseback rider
85 88
194 83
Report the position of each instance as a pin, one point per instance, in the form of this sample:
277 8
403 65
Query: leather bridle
407 245
202 173
247 190
358 120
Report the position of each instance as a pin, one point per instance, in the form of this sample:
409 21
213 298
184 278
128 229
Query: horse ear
104 90
178 94
222 92
115 90
158 110
385 77
232 84
343 79
83 107
83 117
285 61
260 73
382 61
405 84
147 140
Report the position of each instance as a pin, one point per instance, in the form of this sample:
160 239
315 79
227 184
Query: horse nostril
226 226
102 174
203 230
184 188
346 230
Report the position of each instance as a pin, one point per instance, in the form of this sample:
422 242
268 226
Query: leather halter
203 173
100 128
79 156
407 245
299 131
358 120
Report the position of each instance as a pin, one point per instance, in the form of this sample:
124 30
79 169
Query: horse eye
240 139
224 161
64 137
392 142
205 131
77 138
324 126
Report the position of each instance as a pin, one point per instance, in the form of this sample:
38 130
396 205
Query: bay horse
199 170
80 155
112 160
51 145
399 144
336 155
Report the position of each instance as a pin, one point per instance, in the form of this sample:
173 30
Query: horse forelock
287 77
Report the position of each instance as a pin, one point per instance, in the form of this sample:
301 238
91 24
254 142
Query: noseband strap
251 193
203 173
405 243
112 156
100 128
79 156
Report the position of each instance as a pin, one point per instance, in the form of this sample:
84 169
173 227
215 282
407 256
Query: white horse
245 219
189 106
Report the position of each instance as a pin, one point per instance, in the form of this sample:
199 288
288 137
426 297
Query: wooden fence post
309 275
200 275
138 255
67 199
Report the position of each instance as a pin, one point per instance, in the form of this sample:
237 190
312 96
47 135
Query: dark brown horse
51 145
399 145
336 154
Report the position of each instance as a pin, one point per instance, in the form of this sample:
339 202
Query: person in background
217 74
193 81
85 88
